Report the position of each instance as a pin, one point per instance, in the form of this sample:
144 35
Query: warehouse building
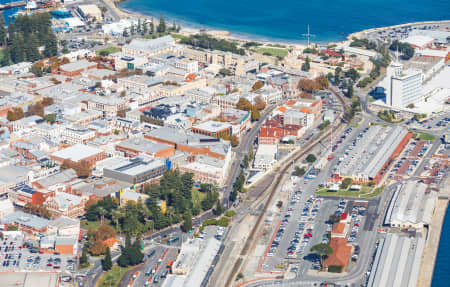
397 261
90 11
411 206
368 157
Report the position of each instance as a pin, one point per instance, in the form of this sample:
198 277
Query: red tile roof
341 252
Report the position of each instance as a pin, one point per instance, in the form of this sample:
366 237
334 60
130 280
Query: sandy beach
186 31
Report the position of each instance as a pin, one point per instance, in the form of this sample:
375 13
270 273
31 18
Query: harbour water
330 20
441 275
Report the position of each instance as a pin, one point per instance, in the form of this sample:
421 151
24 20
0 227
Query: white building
77 135
265 156
148 48
403 87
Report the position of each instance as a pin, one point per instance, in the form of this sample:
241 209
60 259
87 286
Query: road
270 190
247 141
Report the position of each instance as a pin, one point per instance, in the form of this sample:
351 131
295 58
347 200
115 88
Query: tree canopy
24 37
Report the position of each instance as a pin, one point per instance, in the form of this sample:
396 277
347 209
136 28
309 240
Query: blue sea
441 275
330 20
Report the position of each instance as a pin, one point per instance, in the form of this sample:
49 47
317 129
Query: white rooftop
77 152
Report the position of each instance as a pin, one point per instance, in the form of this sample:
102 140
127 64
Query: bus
169 265
164 274
136 274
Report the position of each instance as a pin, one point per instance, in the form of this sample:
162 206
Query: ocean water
330 20
441 275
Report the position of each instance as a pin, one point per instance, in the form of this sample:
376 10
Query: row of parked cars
305 228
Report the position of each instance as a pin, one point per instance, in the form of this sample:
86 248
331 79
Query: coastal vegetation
205 41
363 43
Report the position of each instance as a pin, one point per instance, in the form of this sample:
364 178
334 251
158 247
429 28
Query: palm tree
102 213
115 216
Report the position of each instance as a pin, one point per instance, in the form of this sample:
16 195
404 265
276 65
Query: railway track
272 189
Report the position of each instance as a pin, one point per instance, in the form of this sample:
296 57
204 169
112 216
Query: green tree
107 262
144 28
299 171
84 261
323 250
246 161
187 225
255 114
219 208
306 65
152 27
17 49
3 31
32 48
51 47
50 118
337 75
162 24
311 158
188 182
349 93
125 33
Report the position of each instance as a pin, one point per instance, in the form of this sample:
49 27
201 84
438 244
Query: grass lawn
92 224
276 52
2 53
113 276
109 50
365 192
197 197
425 136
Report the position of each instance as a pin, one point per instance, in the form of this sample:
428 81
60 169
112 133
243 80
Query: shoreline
194 28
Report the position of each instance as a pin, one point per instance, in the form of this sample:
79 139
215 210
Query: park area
108 50
364 192
113 276
270 51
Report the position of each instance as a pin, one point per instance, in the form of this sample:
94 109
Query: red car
56 267
49 265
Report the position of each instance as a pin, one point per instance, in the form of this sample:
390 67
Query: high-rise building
403 87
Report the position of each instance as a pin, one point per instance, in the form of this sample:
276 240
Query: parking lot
15 256
409 159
